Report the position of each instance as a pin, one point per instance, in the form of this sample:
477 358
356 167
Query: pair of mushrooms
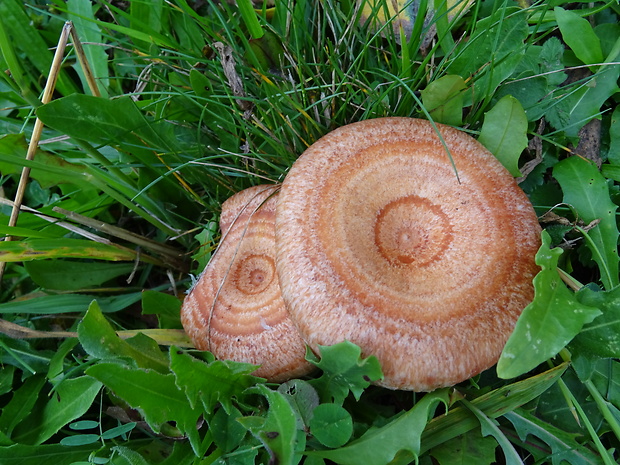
373 238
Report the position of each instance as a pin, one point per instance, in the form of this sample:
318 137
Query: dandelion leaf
209 383
564 446
380 445
546 325
278 429
344 370
586 190
600 338
154 394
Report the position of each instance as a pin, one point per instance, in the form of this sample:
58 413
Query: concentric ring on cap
236 309
379 243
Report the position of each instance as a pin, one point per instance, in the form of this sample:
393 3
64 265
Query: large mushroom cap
236 310
380 244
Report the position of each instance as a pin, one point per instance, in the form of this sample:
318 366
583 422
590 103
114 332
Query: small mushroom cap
236 310
380 244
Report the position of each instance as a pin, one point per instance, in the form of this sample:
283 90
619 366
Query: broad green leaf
100 120
578 34
206 384
200 83
118 430
547 324
164 337
84 425
379 446
21 404
48 454
277 431
344 370
465 449
582 101
492 54
22 355
498 402
551 61
73 275
155 394
443 98
227 432
80 439
544 69
530 93
167 308
606 378
266 53
81 14
182 454
243 456
206 239
57 363
601 337
611 172
489 427
147 17
614 137
504 132
586 190
37 249
70 400
6 379
101 341
74 117
609 35
303 398
555 406
564 446
47 169
331 425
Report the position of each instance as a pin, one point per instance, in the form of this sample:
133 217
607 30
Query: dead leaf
589 146
234 80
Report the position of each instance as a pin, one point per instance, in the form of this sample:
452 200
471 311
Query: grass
200 100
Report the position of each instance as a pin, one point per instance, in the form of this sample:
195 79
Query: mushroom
380 243
235 310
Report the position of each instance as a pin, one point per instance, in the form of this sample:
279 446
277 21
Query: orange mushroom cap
379 243
236 310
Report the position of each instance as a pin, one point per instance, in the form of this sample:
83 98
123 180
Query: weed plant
200 99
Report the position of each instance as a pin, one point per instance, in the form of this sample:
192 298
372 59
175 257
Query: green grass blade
19 78
459 420
490 428
81 13
246 8
36 249
30 43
